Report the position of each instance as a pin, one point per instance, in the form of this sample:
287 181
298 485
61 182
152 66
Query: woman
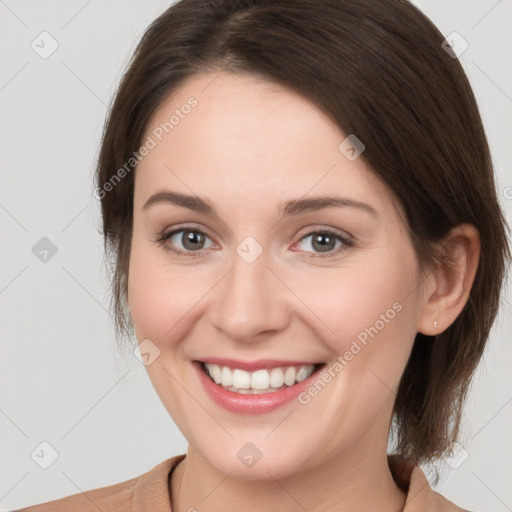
299 201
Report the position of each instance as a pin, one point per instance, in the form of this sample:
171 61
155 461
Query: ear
447 287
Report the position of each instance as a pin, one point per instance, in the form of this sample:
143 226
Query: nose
250 301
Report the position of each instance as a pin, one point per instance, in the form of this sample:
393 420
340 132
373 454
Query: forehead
251 140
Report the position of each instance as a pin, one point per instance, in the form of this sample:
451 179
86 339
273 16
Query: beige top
150 492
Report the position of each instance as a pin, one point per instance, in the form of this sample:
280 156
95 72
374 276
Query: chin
245 460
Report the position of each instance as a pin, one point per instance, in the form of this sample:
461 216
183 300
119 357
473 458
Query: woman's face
264 281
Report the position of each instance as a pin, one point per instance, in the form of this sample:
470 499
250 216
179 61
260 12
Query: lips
253 404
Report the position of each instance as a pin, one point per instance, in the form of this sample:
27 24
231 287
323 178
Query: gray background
61 378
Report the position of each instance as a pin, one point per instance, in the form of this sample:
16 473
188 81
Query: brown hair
378 70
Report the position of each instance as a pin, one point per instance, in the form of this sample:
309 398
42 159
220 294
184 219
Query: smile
258 391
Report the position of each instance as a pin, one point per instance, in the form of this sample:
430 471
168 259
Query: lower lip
251 404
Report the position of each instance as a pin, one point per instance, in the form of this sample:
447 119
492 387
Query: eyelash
165 236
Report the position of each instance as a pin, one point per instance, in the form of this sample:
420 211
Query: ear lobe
451 280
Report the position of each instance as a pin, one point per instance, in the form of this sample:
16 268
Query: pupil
191 237
328 245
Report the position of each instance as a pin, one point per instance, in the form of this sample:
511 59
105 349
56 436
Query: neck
345 482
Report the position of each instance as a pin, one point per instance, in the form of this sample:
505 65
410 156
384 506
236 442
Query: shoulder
149 489
438 502
113 497
420 495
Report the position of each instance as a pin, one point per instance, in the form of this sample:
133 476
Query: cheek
359 302
153 294
166 299
367 305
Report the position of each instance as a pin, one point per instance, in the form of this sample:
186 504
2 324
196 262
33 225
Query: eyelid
322 228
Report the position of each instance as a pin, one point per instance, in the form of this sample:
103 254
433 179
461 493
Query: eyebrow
287 208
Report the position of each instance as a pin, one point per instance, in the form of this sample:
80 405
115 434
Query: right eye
191 238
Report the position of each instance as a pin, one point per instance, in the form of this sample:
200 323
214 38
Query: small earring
435 324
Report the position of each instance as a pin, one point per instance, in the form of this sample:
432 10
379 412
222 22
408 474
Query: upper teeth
260 379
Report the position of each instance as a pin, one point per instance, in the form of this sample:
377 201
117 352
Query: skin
248 146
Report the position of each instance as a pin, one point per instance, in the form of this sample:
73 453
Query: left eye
325 241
